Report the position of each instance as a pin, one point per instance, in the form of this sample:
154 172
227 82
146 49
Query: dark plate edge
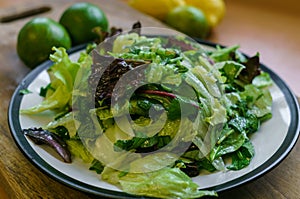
14 125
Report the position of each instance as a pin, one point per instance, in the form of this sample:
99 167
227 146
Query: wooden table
254 24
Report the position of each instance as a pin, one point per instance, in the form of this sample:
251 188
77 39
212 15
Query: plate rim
282 152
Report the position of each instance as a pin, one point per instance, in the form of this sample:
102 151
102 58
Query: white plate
272 142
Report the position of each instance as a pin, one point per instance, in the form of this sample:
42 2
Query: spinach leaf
232 143
174 110
206 165
62 132
44 90
97 166
142 144
248 124
242 157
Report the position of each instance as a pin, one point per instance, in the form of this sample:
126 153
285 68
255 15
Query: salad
149 113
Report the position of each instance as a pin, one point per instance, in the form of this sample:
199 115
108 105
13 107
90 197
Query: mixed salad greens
181 110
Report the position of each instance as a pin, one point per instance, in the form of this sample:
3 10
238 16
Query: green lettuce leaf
124 43
67 121
224 54
208 79
79 150
163 74
62 76
57 100
262 80
63 69
163 183
259 100
230 69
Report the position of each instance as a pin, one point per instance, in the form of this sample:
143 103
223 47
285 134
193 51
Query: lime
156 8
189 20
214 10
36 39
80 19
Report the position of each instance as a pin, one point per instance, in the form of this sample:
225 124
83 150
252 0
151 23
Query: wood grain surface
247 23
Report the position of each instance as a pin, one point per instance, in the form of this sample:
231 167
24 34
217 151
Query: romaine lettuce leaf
124 43
208 79
163 74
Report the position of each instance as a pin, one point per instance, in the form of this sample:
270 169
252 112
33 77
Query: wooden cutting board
18 177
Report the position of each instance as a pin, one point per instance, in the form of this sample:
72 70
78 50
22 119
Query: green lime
36 39
189 20
80 19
